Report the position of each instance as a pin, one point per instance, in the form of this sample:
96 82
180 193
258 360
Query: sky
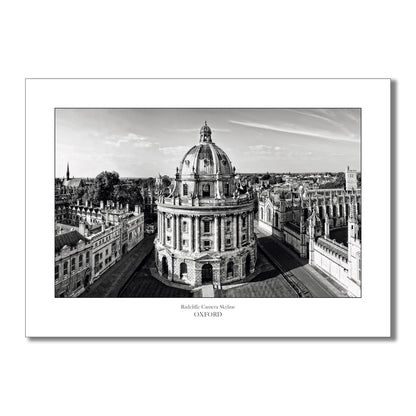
146 142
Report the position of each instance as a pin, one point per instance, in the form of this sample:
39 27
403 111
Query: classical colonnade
173 225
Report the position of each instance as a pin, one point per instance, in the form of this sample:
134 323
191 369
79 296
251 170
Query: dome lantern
205 134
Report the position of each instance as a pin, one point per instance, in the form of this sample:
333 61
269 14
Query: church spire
67 171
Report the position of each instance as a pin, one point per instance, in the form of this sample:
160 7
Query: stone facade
303 220
351 179
108 232
206 225
72 264
278 209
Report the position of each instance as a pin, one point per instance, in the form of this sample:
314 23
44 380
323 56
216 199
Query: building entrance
248 260
206 273
165 269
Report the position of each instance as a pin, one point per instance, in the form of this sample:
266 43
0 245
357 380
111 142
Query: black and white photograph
207 203
208 208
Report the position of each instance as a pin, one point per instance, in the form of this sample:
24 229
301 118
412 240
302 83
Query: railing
202 202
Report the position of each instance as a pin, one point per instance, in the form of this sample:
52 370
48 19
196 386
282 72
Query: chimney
86 203
137 209
83 228
117 205
121 206
127 207
101 204
78 202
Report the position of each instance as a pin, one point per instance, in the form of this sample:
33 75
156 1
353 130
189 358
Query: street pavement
318 284
143 284
112 280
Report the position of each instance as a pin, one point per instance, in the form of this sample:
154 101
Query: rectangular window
101 255
207 244
185 243
185 227
228 226
168 239
206 226
106 251
80 260
87 257
168 222
56 271
227 189
78 284
72 264
244 237
243 221
228 241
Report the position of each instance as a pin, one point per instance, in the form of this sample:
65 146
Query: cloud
174 150
317 134
132 138
262 149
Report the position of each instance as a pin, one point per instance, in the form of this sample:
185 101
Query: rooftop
70 239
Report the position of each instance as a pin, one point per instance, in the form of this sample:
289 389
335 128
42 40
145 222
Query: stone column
235 231
173 231
249 227
216 233
178 233
164 227
197 233
239 226
223 233
191 234
159 226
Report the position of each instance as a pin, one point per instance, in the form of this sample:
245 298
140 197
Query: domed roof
206 158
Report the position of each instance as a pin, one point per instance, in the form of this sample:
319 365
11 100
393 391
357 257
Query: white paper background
232 39
50 316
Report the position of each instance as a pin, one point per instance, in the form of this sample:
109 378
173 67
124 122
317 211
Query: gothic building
305 220
206 224
351 179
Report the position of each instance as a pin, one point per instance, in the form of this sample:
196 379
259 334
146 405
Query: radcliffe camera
204 203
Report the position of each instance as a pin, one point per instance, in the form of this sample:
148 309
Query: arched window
261 213
183 269
230 269
185 189
268 215
206 190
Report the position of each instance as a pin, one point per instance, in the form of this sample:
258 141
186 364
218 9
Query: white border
47 316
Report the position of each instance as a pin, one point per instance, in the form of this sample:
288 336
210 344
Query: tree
165 181
253 179
103 187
